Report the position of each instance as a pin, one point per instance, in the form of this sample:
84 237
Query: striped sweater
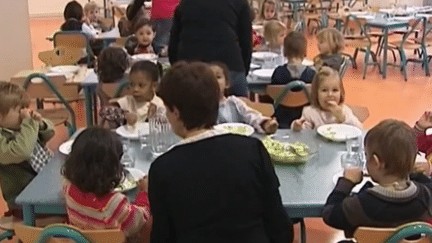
113 211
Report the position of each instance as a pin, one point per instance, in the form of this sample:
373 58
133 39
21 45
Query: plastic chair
395 235
408 43
361 112
74 39
284 94
343 68
361 41
62 55
29 234
53 87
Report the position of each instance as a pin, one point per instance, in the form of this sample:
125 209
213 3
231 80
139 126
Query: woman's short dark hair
192 88
149 68
97 170
112 64
73 10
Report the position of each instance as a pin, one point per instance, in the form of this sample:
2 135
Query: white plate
263 73
231 127
66 147
145 56
65 69
357 188
339 132
127 131
261 55
254 66
428 131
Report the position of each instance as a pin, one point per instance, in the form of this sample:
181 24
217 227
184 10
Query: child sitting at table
142 41
23 135
111 66
274 35
330 45
73 16
327 103
233 109
268 11
92 18
399 197
92 171
142 104
424 142
295 45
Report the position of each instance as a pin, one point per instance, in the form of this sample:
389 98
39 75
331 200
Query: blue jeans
239 85
163 30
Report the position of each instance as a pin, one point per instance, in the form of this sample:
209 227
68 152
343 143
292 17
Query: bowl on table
289 149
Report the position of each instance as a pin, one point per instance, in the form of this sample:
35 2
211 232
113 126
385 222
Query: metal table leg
385 52
29 214
302 231
88 105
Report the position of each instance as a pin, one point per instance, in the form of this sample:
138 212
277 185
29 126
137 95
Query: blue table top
304 188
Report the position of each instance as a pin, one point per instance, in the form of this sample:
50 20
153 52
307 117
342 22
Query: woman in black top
211 31
211 187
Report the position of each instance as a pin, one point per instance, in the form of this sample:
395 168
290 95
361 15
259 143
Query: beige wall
387 3
51 7
15 43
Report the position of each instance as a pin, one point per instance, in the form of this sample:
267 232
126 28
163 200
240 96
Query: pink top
316 117
163 9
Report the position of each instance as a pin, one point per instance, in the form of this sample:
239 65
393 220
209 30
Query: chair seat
357 43
409 44
312 16
8 223
56 116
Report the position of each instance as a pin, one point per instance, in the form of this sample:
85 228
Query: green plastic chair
415 44
71 126
395 235
282 94
360 41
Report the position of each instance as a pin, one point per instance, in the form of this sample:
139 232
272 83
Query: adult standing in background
214 31
162 13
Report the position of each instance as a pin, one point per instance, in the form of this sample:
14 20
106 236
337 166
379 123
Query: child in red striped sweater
92 171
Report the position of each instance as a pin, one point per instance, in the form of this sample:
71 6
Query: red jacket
163 9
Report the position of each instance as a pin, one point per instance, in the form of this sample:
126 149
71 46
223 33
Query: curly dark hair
94 162
73 10
112 64
149 68
192 88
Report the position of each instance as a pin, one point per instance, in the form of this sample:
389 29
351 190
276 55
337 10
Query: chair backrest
264 108
74 39
361 112
62 55
343 68
46 87
395 235
413 25
29 234
284 94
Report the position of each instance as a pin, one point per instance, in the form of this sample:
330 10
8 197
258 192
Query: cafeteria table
304 188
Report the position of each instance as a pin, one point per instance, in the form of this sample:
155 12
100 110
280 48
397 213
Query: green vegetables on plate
289 153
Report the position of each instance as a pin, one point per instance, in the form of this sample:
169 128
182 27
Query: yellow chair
284 95
395 235
62 55
361 112
264 108
64 233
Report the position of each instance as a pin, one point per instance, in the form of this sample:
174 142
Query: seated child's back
295 45
23 134
93 170
399 197
330 45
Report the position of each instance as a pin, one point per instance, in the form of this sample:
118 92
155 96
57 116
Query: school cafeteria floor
385 98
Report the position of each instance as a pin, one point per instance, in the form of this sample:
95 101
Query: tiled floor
385 98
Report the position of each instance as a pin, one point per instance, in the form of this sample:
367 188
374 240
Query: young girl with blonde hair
330 44
274 34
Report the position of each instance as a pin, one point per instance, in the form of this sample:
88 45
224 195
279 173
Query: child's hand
36 116
131 118
354 174
336 110
25 113
425 120
143 184
270 125
298 124
151 110
422 167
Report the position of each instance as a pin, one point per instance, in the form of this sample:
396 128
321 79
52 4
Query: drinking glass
143 134
127 160
350 160
160 135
